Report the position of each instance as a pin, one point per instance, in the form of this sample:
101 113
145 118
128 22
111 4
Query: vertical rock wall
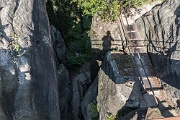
64 91
164 22
28 83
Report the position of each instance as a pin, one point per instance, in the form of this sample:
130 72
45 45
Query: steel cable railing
139 56
156 36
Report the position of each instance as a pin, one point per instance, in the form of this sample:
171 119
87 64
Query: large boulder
115 91
28 82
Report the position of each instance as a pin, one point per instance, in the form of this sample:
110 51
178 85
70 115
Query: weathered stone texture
63 81
101 32
114 91
165 22
90 96
65 94
59 45
28 82
143 114
99 29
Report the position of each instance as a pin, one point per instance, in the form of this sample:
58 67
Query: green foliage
93 109
73 19
14 43
75 60
111 117
108 10
111 11
90 7
134 3
68 19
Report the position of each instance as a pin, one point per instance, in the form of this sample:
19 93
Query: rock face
62 73
88 99
117 88
101 29
116 92
143 114
101 32
59 45
64 91
80 85
28 81
164 21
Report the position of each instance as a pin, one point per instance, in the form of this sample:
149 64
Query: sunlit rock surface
116 92
164 22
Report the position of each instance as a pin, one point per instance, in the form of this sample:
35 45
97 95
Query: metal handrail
129 40
157 38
